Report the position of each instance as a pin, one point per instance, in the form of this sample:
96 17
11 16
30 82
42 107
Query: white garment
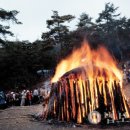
14 96
23 94
35 92
22 102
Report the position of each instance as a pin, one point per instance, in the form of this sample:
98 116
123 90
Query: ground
19 118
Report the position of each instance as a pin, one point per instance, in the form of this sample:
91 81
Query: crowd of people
23 98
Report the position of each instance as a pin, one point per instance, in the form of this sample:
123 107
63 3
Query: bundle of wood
74 96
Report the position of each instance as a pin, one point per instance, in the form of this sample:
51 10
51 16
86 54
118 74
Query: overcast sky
34 13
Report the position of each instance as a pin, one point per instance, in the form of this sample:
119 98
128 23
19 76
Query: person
14 98
35 96
8 98
29 97
23 97
11 98
17 99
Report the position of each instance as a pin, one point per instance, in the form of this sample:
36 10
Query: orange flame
100 74
97 63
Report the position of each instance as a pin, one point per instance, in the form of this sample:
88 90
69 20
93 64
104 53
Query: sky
34 13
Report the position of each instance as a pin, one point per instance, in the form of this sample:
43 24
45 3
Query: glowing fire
96 62
80 93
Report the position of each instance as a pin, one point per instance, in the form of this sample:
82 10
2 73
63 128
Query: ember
85 81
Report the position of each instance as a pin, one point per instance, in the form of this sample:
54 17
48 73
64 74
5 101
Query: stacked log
74 96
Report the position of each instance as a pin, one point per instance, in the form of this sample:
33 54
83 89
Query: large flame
97 63
101 80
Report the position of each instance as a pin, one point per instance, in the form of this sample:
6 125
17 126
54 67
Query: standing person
17 99
29 97
14 98
23 97
11 99
35 96
8 98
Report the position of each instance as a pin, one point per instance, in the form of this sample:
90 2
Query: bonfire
87 80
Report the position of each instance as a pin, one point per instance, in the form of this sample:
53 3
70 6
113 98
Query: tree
113 28
57 29
7 16
110 25
108 14
107 19
19 63
85 21
58 32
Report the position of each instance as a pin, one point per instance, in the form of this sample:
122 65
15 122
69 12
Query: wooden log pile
74 96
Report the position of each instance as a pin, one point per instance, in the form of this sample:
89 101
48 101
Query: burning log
75 98
95 84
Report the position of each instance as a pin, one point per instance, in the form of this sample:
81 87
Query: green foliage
57 29
20 62
7 16
85 21
113 28
58 34
108 14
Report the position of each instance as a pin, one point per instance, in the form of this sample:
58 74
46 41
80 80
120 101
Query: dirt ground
19 118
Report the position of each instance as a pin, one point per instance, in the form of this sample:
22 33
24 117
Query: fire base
74 96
